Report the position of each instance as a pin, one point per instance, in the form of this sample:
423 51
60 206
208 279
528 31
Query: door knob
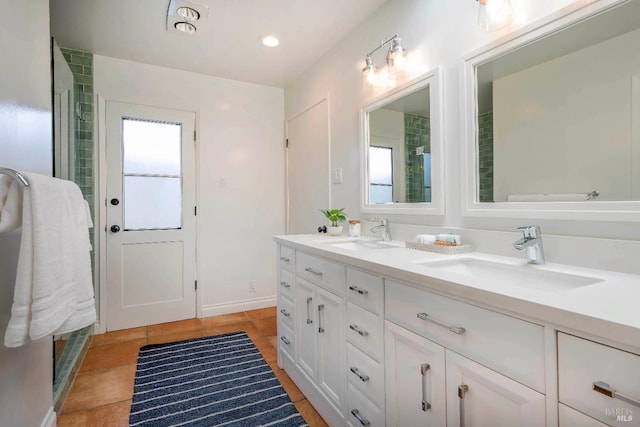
115 228
115 202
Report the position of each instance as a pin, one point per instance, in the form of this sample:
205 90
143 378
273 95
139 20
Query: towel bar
15 175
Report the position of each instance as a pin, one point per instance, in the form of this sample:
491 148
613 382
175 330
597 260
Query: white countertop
609 308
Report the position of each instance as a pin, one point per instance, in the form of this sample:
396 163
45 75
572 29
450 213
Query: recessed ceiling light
185 27
188 13
269 41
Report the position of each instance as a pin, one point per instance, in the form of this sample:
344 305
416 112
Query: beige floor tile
114 415
224 319
273 340
268 326
309 414
174 327
262 312
178 336
98 388
119 336
112 355
247 327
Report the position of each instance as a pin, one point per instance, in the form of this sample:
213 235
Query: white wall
436 34
544 115
241 140
26 373
386 129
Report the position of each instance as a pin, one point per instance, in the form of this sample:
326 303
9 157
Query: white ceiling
226 46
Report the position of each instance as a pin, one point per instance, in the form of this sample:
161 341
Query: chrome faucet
384 227
532 242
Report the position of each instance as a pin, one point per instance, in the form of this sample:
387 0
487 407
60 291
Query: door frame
300 112
100 185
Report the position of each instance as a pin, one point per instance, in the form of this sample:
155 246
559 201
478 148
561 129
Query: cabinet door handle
309 319
363 421
285 284
285 340
312 271
284 259
424 368
455 329
462 392
320 322
363 377
358 290
607 390
285 312
361 332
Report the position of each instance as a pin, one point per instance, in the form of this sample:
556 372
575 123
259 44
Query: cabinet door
415 378
478 396
306 354
331 346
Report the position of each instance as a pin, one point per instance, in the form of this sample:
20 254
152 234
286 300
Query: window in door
380 175
151 174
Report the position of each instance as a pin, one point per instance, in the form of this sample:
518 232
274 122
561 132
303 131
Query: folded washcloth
425 239
53 293
10 204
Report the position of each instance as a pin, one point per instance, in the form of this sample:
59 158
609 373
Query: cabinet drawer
571 418
582 363
287 258
286 312
511 346
286 283
324 273
286 340
365 290
365 330
361 412
366 375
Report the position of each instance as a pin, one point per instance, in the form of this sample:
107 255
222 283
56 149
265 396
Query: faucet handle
530 231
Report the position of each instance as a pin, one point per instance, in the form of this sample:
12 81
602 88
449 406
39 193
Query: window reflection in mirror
399 163
560 117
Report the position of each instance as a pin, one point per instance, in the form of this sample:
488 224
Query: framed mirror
553 118
401 146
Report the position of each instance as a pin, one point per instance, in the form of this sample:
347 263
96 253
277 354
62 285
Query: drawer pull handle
358 330
358 290
462 392
607 390
284 259
312 271
320 322
309 319
363 421
285 312
424 368
363 377
285 340
285 284
455 329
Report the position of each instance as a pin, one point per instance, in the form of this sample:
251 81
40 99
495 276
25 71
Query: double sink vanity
377 334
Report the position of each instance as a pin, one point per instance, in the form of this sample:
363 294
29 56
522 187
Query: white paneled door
308 175
151 226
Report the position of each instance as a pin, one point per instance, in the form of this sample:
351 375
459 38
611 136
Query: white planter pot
334 231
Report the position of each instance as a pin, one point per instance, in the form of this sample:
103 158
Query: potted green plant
335 216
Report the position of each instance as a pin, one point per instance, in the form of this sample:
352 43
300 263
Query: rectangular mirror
555 120
402 150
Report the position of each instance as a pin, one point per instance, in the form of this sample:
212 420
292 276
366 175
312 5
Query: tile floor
102 391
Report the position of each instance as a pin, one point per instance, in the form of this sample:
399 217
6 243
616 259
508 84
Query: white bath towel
10 204
53 293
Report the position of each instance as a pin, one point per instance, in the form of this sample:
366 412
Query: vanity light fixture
186 17
494 14
395 62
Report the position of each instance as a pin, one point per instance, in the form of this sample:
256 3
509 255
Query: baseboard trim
236 306
49 419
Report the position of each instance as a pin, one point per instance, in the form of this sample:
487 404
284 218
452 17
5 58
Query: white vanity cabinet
450 333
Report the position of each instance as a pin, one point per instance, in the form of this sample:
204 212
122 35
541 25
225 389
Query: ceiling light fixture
494 14
185 27
269 41
188 13
395 63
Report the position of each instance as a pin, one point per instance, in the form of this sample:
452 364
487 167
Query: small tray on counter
447 250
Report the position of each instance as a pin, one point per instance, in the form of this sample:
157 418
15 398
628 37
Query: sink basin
517 275
363 245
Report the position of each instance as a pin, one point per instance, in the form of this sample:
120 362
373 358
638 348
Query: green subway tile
81 59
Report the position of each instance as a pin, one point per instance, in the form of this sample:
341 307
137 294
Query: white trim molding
237 306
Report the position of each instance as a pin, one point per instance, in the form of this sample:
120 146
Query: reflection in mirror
402 150
63 117
559 118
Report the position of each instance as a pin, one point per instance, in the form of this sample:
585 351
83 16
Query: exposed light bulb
494 14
